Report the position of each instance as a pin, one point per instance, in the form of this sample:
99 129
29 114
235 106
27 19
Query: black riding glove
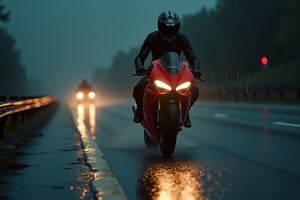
196 68
197 73
140 70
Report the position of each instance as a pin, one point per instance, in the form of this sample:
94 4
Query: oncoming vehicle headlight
162 85
183 86
92 95
80 95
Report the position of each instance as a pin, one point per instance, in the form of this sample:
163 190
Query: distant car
85 93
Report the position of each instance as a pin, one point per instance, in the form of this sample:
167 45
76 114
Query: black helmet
168 23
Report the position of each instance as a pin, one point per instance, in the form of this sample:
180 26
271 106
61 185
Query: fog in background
62 42
50 47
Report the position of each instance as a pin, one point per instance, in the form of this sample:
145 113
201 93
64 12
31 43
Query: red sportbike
166 101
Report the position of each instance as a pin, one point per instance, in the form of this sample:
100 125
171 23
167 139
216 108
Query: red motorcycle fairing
155 99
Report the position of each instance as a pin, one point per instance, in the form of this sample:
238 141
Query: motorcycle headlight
92 95
183 87
162 86
79 95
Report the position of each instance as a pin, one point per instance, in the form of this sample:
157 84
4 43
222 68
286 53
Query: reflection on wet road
103 183
86 112
173 180
80 124
92 118
232 151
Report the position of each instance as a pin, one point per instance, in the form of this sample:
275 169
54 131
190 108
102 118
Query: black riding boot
138 93
138 115
187 123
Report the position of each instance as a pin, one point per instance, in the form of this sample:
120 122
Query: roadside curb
104 184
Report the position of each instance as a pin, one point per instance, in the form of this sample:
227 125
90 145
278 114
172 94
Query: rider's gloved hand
197 73
140 70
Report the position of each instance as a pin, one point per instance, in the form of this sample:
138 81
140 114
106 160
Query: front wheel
169 130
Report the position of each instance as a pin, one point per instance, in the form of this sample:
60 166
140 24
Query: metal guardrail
264 91
278 88
23 109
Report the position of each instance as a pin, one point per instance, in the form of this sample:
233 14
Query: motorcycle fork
158 113
180 111
158 122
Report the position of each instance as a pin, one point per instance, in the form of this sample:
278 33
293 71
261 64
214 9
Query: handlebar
148 70
141 74
200 79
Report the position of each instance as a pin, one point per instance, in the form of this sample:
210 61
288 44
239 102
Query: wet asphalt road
233 151
56 167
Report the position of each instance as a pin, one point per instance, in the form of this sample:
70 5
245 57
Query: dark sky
65 40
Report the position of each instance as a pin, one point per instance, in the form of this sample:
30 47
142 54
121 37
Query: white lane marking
220 115
286 124
105 185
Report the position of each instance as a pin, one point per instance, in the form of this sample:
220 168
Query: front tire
169 130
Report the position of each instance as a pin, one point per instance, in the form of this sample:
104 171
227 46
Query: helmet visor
169 30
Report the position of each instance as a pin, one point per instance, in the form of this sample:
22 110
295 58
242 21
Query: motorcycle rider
84 86
166 38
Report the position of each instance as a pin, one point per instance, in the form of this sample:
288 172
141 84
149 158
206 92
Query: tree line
229 40
12 74
232 38
13 77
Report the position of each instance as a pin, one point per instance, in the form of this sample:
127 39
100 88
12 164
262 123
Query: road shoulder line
104 185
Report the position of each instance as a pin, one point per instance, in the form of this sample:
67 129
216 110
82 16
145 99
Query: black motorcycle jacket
158 47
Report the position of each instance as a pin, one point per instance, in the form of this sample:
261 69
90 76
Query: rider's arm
190 55
189 52
144 51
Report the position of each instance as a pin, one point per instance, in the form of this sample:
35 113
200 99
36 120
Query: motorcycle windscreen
171 62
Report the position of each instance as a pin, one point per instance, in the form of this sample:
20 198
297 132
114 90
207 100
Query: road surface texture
56 167
233 151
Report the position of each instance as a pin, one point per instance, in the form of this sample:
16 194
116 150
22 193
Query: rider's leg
195 94
138 93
